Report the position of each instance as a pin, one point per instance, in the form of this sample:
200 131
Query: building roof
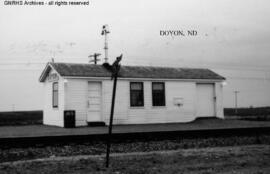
91 70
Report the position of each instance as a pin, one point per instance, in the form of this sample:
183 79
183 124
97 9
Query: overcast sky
230 32
233 39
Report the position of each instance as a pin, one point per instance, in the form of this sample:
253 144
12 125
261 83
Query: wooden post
235 102
115 69
95 60
111 121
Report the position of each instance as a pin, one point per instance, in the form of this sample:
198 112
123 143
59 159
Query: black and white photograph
135 87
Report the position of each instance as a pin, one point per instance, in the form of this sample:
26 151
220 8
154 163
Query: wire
164 63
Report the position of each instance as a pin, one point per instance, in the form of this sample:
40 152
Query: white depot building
144 94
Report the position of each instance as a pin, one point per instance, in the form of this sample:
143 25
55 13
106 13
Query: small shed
144 94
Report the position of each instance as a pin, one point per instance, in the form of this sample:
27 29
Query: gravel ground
248 159
97 148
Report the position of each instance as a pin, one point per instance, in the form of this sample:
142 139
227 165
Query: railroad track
11 142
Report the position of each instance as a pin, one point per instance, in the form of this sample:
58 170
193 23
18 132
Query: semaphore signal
105 31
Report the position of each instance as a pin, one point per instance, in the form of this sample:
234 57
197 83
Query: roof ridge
73 63
164 67
147 66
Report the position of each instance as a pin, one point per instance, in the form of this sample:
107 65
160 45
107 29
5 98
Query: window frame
164 94
55 93
130 91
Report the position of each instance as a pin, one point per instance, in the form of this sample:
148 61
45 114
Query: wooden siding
219 100
124 114
76 99
73 96
53 116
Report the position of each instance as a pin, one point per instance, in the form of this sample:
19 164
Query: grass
251 113
224 160
21 118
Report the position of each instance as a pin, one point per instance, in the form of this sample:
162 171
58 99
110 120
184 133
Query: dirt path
238 159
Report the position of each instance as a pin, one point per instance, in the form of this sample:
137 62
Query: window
158 93
55 95
136 94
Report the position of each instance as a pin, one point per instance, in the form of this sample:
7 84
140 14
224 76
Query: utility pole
114 70
95 60
235 101
105 31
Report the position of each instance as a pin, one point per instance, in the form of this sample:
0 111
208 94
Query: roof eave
45 72
143 78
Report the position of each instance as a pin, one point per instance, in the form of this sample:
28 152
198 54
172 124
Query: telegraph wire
150 63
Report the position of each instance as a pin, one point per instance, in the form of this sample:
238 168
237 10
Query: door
94 102
205 100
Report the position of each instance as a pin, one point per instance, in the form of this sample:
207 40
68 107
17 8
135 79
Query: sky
233 38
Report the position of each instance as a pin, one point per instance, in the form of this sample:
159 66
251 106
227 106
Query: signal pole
105 31
235 101
95 60
114 68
